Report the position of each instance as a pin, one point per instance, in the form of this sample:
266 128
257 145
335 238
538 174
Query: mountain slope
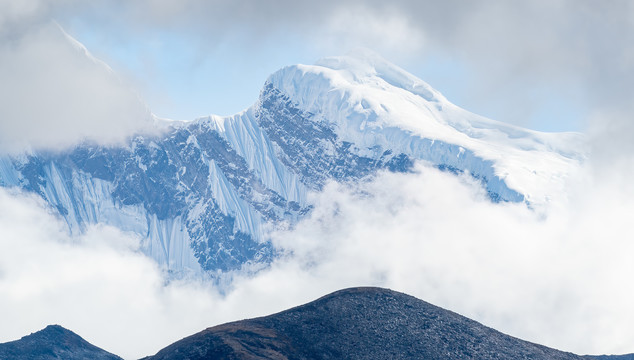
355 323
53 342
358 323
204 194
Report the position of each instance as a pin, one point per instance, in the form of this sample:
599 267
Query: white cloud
562 280
99 286
54 94
387 31
96 285
12 13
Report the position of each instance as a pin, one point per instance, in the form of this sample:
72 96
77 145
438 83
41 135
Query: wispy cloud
521 59
54 93
519 56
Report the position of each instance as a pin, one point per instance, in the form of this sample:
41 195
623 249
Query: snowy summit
204 194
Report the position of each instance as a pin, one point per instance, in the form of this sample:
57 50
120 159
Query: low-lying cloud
96 284
560 279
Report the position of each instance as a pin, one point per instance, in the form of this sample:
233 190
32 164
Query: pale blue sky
179 81
518 64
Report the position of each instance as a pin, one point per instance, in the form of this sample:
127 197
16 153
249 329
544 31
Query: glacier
204 194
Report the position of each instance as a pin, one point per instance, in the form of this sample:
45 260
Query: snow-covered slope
204 193
370 102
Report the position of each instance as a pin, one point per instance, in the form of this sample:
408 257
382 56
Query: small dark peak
55 330
56 334
365 291
53 342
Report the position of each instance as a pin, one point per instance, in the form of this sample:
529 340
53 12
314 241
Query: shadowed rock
358 323
53 342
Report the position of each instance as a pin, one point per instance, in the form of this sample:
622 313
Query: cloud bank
96 284
561 280
55 94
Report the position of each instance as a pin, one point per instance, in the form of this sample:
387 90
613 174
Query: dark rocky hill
53 342
358 323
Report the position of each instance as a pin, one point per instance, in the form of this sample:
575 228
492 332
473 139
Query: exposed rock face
358 323
53 342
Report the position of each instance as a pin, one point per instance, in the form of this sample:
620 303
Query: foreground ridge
359 323
354 323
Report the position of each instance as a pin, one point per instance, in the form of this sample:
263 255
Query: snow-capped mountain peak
204 193
366 66
371 102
